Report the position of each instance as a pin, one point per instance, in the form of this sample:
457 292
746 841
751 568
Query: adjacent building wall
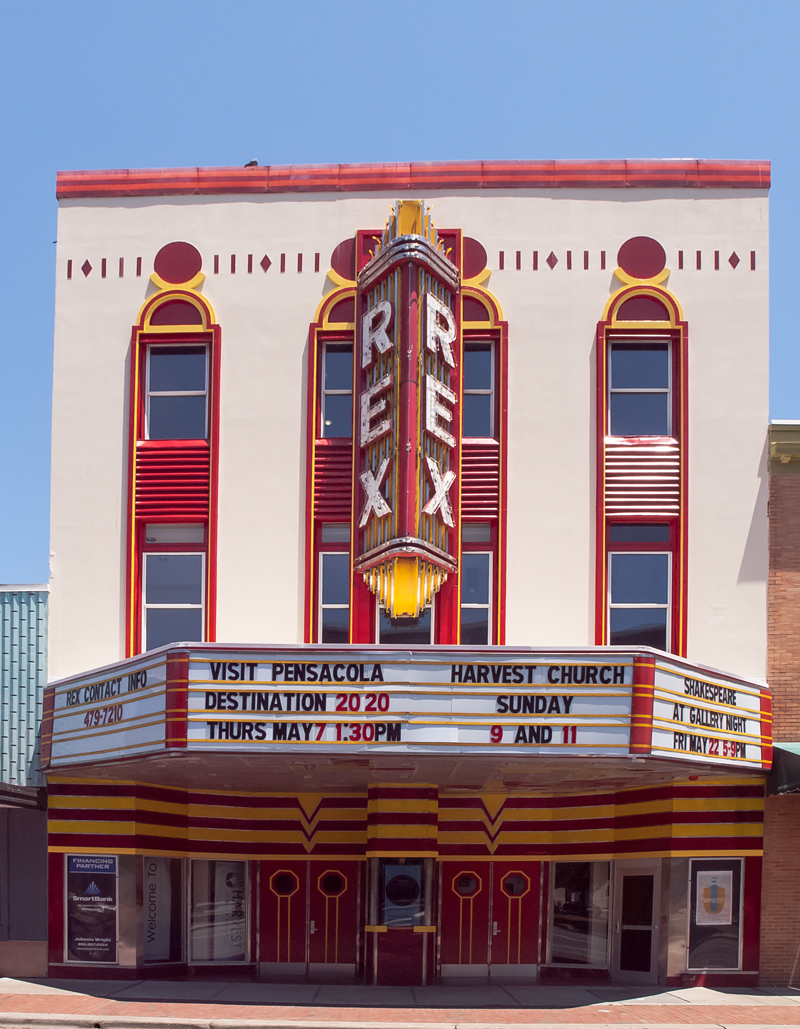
780 934
23 674
784 579
23 822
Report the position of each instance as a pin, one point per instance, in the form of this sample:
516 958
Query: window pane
163 924
638 533
191 532
174 579
478 366
639 367
401 900
643 626
337 417
639 578
335 578
177 368
339 367
475 578
639 414
477 411
335 532
580 913
177 418
405 631
335 626
173 625
474 626
476 532
219 911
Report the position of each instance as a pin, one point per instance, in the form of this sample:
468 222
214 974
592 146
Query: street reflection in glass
580 913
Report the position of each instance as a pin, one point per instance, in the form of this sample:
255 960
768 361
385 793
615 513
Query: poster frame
77 961
690 913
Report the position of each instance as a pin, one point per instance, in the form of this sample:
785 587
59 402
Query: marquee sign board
705 718
430 700
117 712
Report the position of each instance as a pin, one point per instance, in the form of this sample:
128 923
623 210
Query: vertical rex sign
408 414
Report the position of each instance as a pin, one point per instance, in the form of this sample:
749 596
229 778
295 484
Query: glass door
636 906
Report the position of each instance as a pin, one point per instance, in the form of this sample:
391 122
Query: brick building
780 932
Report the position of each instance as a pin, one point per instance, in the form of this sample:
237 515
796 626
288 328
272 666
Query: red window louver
172 479
480 479
333 471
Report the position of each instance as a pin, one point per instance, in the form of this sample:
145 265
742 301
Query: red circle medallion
641 257
474 258
343 259
177 262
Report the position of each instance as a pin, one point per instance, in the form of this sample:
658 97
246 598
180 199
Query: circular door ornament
284 884
332 884
515 884
467 884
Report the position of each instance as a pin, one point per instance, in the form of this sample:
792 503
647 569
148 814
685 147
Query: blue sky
87 84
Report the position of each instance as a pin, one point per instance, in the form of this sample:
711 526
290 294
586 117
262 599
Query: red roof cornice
353 178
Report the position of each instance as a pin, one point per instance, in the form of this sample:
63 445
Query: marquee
599 702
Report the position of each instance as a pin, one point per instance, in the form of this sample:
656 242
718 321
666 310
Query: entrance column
402 847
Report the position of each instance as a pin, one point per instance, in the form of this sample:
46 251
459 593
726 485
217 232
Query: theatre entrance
400 937
490 918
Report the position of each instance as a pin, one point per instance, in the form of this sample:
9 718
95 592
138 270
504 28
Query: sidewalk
97 1004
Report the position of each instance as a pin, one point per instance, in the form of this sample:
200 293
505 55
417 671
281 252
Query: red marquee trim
327 178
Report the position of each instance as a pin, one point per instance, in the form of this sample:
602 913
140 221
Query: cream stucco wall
552 317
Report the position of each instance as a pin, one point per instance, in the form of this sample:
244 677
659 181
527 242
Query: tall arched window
641 471
172 472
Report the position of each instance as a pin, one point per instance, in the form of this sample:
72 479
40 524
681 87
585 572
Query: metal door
466 898
333 917
515 923
634 952
283 917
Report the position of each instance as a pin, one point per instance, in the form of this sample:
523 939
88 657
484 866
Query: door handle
617 928
313 928
495 930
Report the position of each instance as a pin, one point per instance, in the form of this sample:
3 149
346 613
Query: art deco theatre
409 572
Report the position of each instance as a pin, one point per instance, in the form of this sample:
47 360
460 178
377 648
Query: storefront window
219 911
579 934
714 914
162 909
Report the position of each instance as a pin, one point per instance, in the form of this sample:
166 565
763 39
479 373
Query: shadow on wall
755 557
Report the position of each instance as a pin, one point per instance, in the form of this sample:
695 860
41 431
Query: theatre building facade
409 566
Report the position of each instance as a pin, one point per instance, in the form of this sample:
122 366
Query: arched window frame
673 328
172 462
335 452
494 329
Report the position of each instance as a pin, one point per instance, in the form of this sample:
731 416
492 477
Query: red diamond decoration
733 260
86 267
552 260
265 263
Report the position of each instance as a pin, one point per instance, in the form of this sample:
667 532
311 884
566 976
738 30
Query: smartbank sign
434 700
